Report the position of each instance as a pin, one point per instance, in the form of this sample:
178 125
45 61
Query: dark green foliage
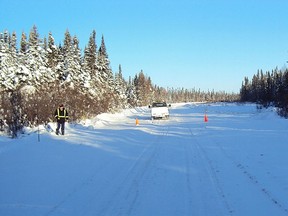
269 89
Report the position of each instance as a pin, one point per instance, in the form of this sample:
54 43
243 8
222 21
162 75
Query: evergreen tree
52 53
23 43
8 64
71 62
105 78
77 77
10 83
245 90
120 86
35 59
89 64
91 55
267 89
131 93
144 90
103 66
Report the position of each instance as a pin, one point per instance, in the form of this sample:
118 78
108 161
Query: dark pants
60 124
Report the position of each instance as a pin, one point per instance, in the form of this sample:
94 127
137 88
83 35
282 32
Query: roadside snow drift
234 164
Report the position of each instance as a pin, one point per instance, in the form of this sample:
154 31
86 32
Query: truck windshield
159 105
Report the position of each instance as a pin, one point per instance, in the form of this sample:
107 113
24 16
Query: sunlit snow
234 164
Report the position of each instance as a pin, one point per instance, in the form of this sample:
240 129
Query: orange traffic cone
137 122
205 118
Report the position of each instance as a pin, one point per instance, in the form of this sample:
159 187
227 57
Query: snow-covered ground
234 164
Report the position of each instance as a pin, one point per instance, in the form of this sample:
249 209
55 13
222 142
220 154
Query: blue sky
206 44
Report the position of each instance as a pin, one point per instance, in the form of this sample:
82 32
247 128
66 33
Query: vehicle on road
159 110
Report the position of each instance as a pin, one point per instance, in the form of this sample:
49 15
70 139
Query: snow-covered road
234 164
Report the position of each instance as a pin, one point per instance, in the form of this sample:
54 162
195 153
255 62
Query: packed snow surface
234 164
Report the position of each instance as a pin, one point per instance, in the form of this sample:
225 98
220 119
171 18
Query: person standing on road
61 116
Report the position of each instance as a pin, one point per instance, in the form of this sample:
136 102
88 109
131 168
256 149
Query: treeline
267 89
37 75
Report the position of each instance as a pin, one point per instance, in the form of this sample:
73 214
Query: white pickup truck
159 110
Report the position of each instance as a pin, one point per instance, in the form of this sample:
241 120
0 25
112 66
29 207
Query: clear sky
206 44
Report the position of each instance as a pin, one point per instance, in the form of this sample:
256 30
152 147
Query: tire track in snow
254 180
212 173
123 200
134 175
191 162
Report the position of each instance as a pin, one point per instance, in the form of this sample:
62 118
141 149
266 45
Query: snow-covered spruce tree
120 87
88 69
66 50
10 84
91 78
77 78
89 63
35 58
23 49
52 54
8 62
105 79
131 93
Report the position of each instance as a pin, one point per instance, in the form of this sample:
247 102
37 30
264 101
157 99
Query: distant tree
120 87
131 93
245 90
144 89
267 89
